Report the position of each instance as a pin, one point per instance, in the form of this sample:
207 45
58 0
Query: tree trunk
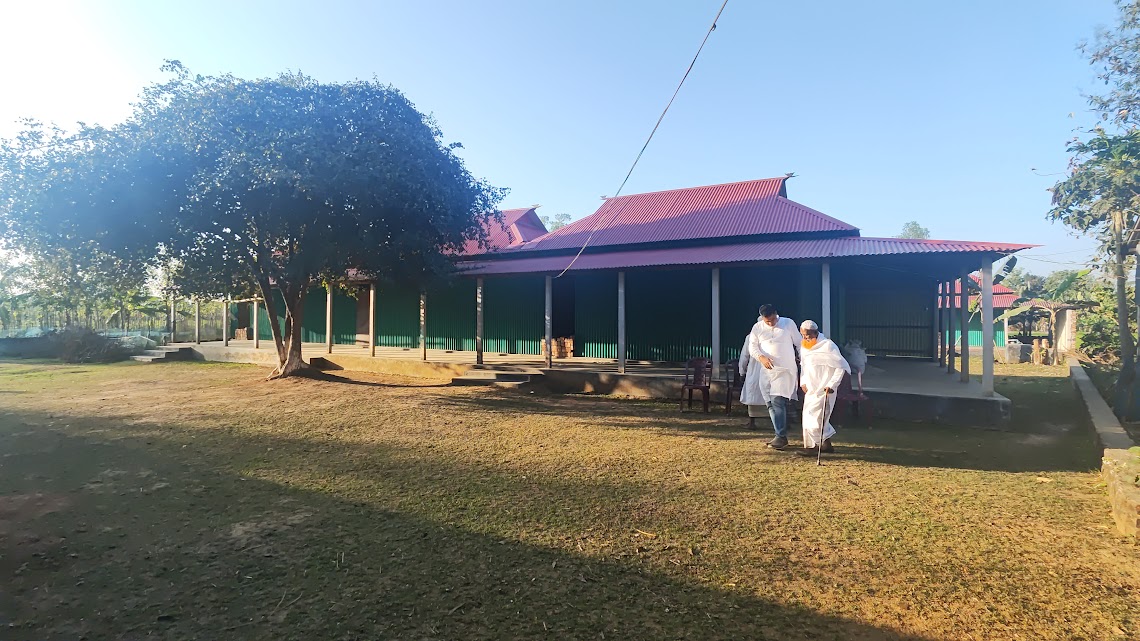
1127 355
1056 355
287 339
1126 393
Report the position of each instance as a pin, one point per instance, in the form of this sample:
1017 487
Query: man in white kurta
773 344
822 368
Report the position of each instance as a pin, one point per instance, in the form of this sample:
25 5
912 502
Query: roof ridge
940 240
724 184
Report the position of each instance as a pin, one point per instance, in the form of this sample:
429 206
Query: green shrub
85 346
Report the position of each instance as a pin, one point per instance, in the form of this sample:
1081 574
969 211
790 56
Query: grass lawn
198 501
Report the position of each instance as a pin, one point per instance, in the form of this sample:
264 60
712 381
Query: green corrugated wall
398 316
232 310
514 310
743 290
344 318
838 309
668 315
264 332
595 315
313 324
451 316
892 321
975 333
810 303
667 312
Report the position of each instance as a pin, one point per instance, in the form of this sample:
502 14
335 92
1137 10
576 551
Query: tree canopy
1115 54
914 230
556 221
1099 198
242 186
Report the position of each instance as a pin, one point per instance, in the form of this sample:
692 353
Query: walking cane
823 416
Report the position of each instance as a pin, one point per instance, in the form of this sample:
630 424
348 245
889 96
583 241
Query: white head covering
810 325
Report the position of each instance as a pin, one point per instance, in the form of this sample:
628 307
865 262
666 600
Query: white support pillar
197 322
423 326
479 321
951 343
825 292
256 334
964 329
173 325
938 353
987 329
372 319
716 320
549 320
328 319
621 323
225 323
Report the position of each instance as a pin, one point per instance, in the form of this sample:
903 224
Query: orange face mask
810 342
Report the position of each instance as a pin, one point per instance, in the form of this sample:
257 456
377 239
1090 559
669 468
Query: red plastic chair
852 398
698 376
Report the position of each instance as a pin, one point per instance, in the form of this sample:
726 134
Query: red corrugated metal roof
846 247
749 208
518 226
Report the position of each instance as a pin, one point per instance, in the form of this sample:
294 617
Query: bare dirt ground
199 501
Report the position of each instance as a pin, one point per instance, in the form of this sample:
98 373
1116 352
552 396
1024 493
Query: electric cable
676 91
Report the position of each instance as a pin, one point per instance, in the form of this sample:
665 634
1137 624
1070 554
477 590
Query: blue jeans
778 410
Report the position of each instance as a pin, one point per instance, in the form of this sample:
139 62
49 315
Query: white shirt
780 343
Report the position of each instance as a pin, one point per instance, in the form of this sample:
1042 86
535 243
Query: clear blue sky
886 111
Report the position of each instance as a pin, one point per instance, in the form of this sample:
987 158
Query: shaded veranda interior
195 500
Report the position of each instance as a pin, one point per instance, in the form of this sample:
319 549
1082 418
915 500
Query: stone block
1121 469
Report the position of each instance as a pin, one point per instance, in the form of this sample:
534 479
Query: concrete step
165 353
506 369
495 378
496 375
488 380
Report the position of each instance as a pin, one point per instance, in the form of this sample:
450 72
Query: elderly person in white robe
822 368
773 344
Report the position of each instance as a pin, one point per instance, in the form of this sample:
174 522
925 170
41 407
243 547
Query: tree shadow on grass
151 540
325 376
1049 431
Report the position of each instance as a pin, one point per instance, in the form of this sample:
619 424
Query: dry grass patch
200 501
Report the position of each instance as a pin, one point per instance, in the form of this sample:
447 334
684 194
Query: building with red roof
669 275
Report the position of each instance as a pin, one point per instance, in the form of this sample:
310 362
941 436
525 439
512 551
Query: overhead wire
1071 251
676 91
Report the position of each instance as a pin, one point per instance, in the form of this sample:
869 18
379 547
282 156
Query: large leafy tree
272 186
1101 197
54 189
